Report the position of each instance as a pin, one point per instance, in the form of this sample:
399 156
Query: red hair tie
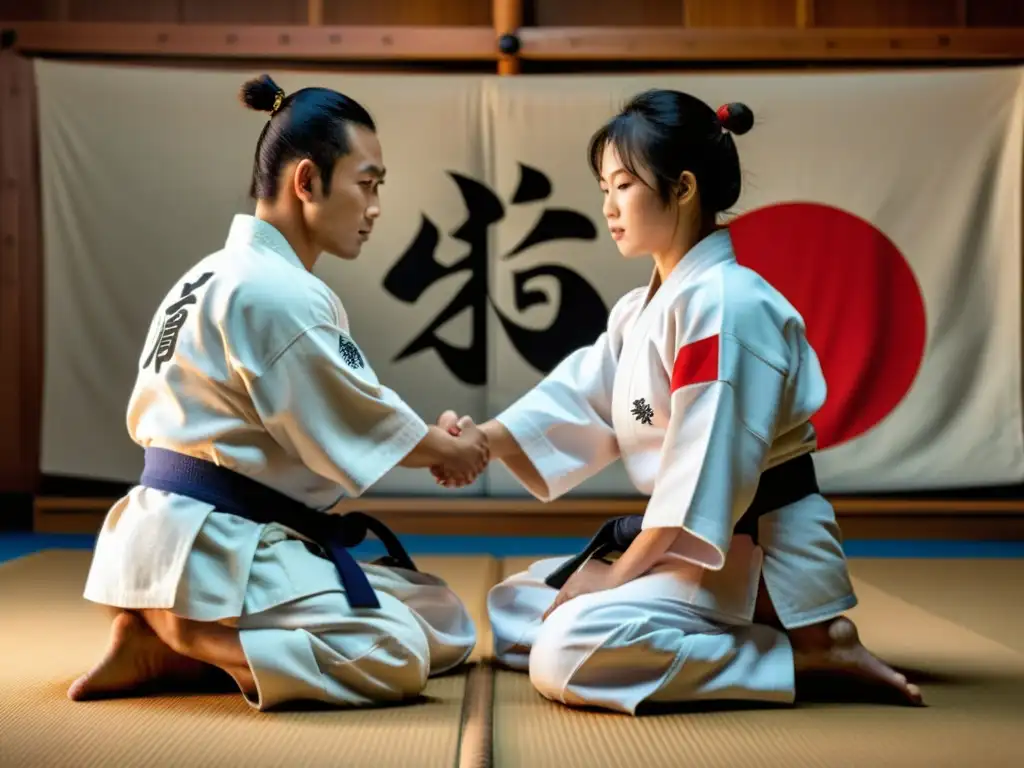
723 114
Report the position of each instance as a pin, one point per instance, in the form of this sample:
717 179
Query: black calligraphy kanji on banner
581 315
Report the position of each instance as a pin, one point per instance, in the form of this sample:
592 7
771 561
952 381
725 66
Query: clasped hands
466 457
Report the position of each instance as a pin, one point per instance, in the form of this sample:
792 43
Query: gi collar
249 232
713 249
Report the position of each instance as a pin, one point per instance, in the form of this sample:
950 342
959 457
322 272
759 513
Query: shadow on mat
668 709
701 708
221 685
824 689
808 695
160 697
830 688
954 678
463 669
306 707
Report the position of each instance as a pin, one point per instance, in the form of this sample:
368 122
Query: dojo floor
949 614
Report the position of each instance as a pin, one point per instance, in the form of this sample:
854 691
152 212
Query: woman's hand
593 576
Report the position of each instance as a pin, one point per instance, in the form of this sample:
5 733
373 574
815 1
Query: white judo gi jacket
698 389
248 364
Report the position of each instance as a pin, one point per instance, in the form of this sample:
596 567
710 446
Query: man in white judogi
250 381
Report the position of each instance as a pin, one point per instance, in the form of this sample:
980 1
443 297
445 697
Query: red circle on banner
863 309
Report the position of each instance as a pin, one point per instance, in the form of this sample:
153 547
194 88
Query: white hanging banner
891 219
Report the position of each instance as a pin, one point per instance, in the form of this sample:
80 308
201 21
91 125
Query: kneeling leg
806 587
515 607
620 649
217 645
318 648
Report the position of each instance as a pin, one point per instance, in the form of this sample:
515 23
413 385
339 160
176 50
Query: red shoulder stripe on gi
696 363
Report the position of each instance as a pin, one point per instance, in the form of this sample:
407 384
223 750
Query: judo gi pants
643 642
303 641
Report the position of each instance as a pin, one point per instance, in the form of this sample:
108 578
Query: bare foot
834 648
135 660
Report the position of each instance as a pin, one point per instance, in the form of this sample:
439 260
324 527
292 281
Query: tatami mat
953 625
51 635
978 593
974 685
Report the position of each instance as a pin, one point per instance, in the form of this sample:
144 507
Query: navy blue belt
778 487
236 494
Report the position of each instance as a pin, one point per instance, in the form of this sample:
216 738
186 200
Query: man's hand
593 576
469 455
449 421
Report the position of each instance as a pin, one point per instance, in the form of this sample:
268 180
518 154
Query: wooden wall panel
249 11
544 13
603 13
187 11
243 11
740 13
995 13
20 279
408 12
123 10
24 10
886 13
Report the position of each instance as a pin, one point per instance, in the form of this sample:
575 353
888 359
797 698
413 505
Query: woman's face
639 222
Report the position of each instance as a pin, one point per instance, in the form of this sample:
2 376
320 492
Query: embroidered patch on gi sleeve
349 352
642 412
696 363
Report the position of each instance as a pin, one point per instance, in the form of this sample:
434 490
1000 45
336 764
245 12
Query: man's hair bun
261 94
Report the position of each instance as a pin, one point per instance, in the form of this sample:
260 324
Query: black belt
779 486
237 494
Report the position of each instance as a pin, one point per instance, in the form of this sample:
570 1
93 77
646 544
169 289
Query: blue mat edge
15 545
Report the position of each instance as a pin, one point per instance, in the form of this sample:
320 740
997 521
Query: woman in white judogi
703 381
249 367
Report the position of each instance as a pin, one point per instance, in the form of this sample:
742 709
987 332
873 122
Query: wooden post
21 322
315 12
804 13
508 18
962 12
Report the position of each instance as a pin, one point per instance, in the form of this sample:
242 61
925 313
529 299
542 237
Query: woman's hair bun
736 118
261 94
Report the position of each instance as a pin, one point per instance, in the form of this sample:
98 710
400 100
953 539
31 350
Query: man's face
342 221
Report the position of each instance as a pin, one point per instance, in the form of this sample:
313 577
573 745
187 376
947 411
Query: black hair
310 123
668 132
